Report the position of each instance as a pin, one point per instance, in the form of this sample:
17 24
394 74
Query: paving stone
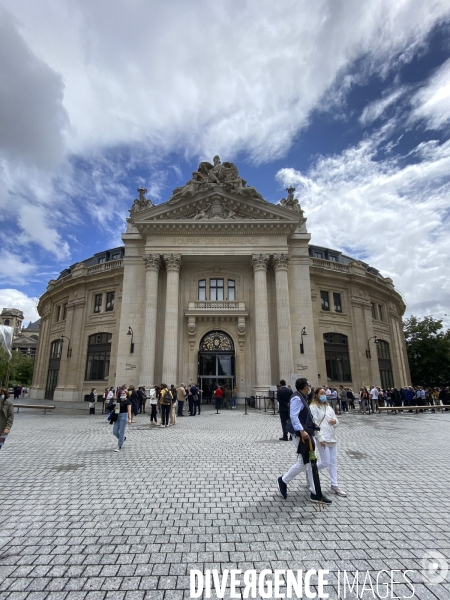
77 531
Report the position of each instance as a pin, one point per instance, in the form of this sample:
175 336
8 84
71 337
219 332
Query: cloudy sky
347 100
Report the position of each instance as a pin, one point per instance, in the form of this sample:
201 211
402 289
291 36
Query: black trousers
165 412
191 405
284 416
196 406
153 415
180 407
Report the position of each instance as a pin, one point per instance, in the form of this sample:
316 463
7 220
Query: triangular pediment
215 195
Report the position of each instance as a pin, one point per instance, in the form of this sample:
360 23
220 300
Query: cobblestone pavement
80 522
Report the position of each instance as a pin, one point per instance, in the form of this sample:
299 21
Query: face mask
2 396
323 398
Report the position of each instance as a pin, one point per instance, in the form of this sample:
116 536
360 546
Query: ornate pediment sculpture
213 176
217 208
140 203
290 202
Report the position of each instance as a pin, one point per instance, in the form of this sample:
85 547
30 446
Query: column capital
152 262
173 262
260 262
281 262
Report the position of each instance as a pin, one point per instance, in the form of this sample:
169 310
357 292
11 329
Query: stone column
170 354
263 377
152 265
285 356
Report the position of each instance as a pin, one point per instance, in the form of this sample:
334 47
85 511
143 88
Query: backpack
167 398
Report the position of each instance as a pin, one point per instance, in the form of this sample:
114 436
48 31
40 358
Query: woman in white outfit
325 417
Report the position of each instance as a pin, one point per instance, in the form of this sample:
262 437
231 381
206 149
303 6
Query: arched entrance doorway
216 361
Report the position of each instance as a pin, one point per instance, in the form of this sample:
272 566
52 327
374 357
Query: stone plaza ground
80 522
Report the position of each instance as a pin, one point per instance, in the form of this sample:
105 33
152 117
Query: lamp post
302 346
130 332
368 353
69 349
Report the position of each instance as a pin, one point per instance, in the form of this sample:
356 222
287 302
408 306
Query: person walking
325 418
364 400
218 393
303 424
193 398
173 406
6 416
92 401
343 398
134 399
234 397
181 397
283 396
166 404
122 416
153 405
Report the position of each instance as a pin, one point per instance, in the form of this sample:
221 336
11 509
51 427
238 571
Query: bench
414 408
42 406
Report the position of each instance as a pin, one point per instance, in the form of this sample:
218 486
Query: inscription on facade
210 241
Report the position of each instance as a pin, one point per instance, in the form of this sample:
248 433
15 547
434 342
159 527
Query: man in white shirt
374 393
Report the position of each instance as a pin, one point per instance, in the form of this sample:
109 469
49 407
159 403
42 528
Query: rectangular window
374 310
216 289
325 300
109 301
56 349
101 260
337 302
97 366
380 312
202 289
231 289
317 254
332 258
64 314
115 256
98 303
338 366
58 313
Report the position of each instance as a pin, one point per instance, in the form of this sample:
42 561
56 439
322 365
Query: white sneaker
161 426
117 449
335 489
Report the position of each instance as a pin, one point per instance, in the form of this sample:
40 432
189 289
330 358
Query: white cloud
378 108
11 298
211 76
393 215
35 229
432 102
13 269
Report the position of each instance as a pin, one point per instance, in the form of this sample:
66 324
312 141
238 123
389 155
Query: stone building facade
218 285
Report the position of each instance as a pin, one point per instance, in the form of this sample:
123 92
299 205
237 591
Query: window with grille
337 302
216 289
98 303
110 301
325 300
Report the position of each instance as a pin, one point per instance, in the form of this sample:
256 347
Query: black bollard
245 402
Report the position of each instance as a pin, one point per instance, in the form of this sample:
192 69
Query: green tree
428 348
21 368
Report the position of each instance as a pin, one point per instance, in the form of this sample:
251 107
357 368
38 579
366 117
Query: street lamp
130 332
368 353
69 349
302 346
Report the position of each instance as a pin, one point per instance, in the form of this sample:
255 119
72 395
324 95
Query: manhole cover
66 468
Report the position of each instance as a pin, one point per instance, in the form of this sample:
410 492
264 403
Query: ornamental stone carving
173 262
290 202
211 176
281 261
216 209
260 262
140 203
152 262
192 327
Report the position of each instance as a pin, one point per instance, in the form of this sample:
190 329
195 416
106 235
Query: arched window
337 358
217 341
53 368
98 357
385 365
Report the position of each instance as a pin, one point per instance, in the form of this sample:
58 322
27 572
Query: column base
67 395
261 390
36 393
